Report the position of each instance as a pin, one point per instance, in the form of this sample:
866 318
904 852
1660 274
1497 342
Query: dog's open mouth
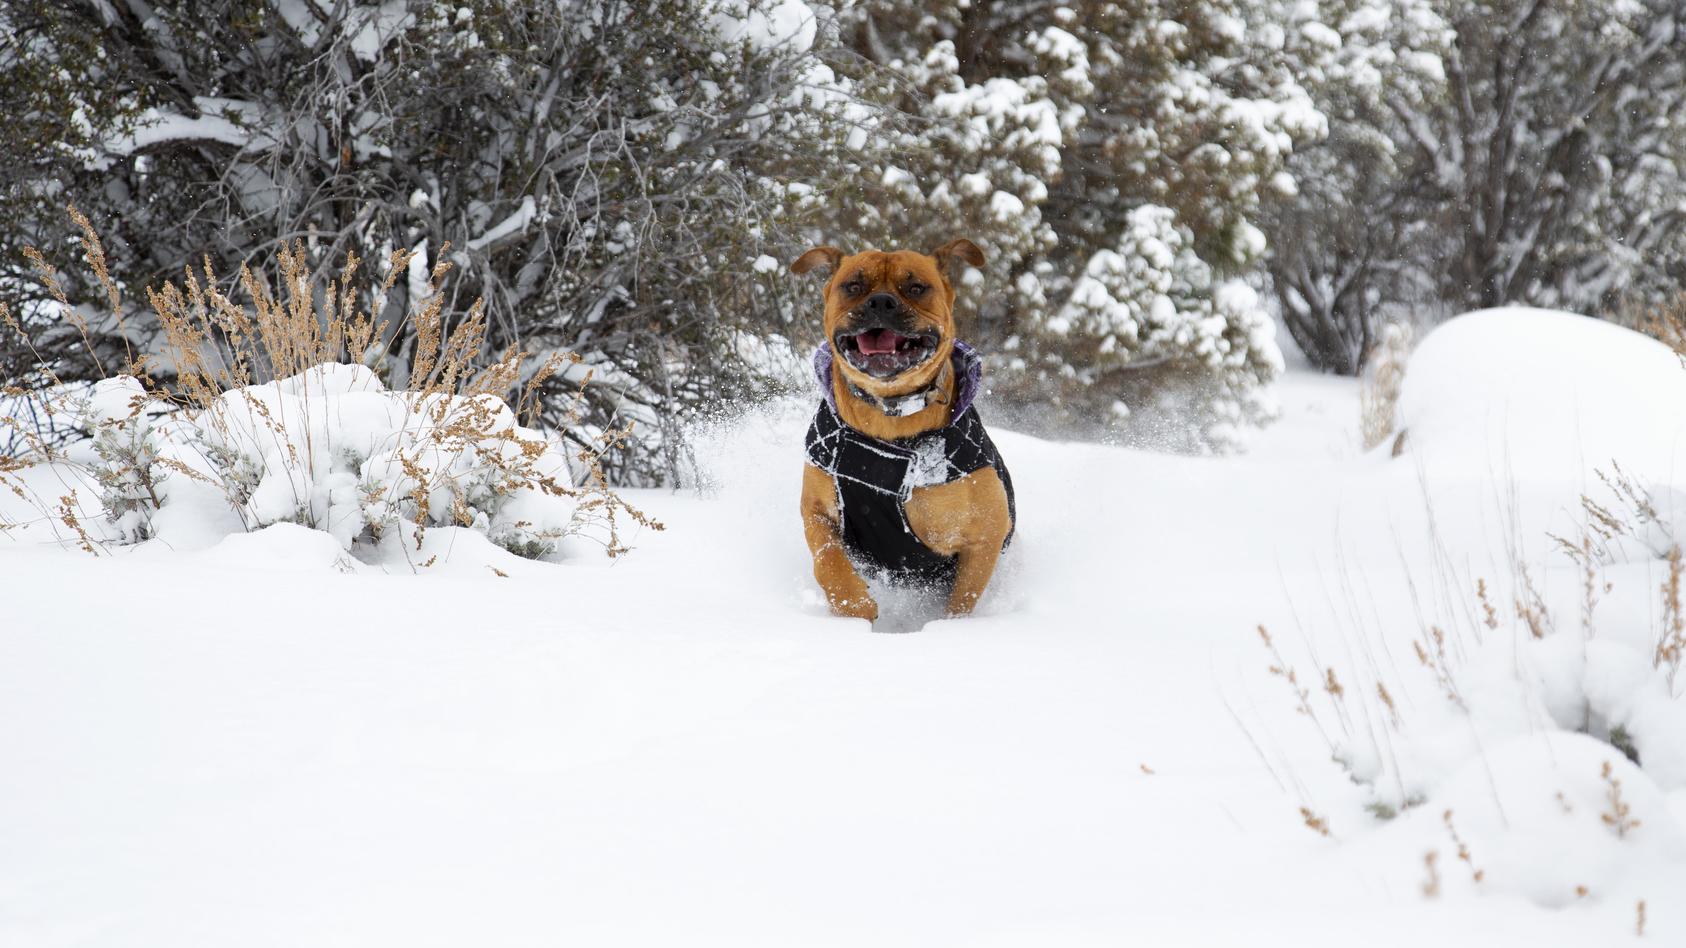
883 353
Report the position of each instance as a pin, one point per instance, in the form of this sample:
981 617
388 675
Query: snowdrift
684 747
1540 393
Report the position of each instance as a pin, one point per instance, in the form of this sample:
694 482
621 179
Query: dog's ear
962 251
828 257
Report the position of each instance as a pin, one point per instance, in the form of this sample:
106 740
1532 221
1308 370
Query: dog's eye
916 290
854 288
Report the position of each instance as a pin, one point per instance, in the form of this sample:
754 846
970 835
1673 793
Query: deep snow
245 745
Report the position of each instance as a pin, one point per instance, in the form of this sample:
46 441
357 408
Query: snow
1526 400
154 127
380 25
267 741
786 24
514 223
330 448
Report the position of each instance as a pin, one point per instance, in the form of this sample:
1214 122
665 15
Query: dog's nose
882 304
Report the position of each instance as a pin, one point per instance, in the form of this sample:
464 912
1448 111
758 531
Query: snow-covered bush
116 417
1066 138
602 171
271 416
333 450
1153 302
1343 236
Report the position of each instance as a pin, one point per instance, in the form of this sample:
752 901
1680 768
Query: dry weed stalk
1666 322
1431 885
1490 616
49 279
1387 702
67 515
1379 396
1476 873
1584 556
1302 694
1671 645
1533 610
1618 817
1318 824
1433 657
1332 686
1639 922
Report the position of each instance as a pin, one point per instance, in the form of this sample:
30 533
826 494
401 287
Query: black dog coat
875 478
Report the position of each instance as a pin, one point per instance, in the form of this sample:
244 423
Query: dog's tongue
878 342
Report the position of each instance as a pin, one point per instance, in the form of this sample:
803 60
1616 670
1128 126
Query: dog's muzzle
882 342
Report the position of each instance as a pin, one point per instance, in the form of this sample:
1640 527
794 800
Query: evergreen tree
1172 129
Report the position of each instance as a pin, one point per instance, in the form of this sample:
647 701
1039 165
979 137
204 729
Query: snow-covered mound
1530 391
331 449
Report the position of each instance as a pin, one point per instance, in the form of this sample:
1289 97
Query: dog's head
890 315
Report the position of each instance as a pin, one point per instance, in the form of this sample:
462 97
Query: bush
603 172
270 417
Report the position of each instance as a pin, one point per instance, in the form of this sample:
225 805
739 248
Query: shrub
603 171
270 415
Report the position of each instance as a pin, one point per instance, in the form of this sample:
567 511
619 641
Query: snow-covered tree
1482 152
956 155
1343 237
1556 156
1171 127
606 173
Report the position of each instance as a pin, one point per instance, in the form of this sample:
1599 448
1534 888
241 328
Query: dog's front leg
844 588
976 564
968 519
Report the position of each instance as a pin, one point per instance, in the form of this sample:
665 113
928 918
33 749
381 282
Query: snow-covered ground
247 745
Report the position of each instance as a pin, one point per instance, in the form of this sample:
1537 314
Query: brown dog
901 475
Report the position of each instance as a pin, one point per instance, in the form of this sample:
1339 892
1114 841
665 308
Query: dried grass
1315 823
1431 884
1664 322
1619 815
1384 379
1476 873
1360 711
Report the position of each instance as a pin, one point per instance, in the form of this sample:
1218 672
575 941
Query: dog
901 477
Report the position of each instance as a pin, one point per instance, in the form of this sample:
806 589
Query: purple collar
968 376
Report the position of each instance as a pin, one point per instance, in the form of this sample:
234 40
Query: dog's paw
857 607
959 607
